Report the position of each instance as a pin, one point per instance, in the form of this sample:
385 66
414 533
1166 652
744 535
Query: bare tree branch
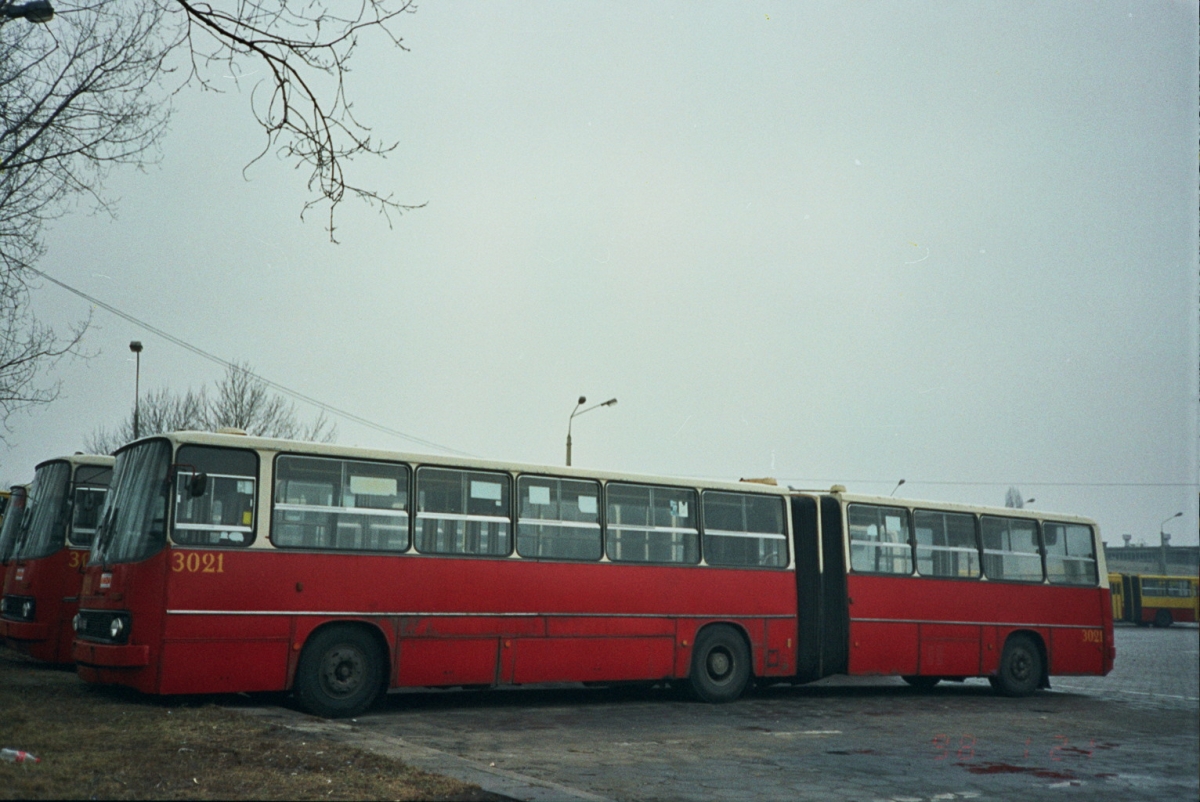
303 123
239 400
92 90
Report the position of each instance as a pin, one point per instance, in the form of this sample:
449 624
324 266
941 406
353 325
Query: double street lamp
578 411
1163 540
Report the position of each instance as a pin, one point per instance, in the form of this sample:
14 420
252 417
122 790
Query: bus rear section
229 564
934 592
42 580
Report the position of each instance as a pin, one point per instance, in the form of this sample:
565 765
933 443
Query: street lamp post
1163 540
136 347
578 411
34 11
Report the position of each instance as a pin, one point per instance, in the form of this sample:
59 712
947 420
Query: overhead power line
332 410
1021 483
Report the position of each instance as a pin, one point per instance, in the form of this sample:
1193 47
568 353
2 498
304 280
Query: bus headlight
116 628
77 622
27 609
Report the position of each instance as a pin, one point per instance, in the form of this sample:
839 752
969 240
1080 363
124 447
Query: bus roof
357 452
80 459
976 509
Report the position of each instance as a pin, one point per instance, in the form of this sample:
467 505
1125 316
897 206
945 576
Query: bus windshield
133 520
44 525
12 525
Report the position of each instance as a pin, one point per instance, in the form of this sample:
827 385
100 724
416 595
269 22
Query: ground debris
113 744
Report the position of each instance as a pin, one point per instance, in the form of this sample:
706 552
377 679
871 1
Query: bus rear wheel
921 683
720 665
340 673
1020 667
1163 619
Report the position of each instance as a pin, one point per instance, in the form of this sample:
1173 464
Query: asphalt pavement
1133 735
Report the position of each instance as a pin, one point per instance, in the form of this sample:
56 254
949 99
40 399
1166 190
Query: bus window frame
601 510
177 469
785 535
1041 551
910 541
91 486
510 517
1095 559
409 489
976 526
694 490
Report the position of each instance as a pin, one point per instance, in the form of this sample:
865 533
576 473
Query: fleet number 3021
1093 636
195 562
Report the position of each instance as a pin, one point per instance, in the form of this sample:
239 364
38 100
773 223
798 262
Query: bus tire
1020 667
340 672
1163 619
921 683
720 665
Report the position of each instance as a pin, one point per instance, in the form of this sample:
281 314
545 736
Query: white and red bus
226 563
50 551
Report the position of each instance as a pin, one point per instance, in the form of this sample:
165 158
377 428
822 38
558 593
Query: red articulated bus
226 563
50 551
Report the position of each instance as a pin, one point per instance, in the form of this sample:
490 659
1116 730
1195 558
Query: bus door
806 533
835 618
823 615
1132 587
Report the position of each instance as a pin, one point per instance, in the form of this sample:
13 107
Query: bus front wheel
1163 619
720 665
340 672
1020 667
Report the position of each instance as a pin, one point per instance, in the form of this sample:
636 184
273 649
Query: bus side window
879 539
744 529
223 515
463 512
651 524
1070 556
558 518
946 544
1010 549
346 505
86 514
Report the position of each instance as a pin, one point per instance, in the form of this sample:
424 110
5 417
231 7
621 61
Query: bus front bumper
110 656
23 630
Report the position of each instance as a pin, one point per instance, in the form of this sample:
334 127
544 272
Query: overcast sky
953 243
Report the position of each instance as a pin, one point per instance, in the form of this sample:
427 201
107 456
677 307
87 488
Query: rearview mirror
197 485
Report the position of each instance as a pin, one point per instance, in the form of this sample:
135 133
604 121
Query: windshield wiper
104 535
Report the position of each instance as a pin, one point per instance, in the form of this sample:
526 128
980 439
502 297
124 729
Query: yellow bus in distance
1155 600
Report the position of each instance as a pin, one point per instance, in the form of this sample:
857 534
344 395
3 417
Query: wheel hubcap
342 670
719 664
1020 666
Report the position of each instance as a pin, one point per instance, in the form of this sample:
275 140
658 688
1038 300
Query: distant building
1171 560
